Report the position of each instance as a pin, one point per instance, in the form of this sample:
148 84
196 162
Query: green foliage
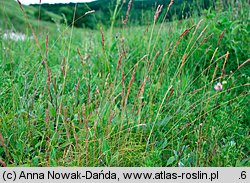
142 11
43 15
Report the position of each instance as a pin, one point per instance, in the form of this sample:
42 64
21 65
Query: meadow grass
128 96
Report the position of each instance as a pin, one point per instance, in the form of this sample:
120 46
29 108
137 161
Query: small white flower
218 87
224 82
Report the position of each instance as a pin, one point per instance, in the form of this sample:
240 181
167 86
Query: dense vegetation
141 11
160 94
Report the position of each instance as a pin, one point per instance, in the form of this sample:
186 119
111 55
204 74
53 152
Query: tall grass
129 96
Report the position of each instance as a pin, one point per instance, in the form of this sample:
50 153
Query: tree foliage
142 11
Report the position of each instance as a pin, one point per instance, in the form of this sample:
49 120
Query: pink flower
218 87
